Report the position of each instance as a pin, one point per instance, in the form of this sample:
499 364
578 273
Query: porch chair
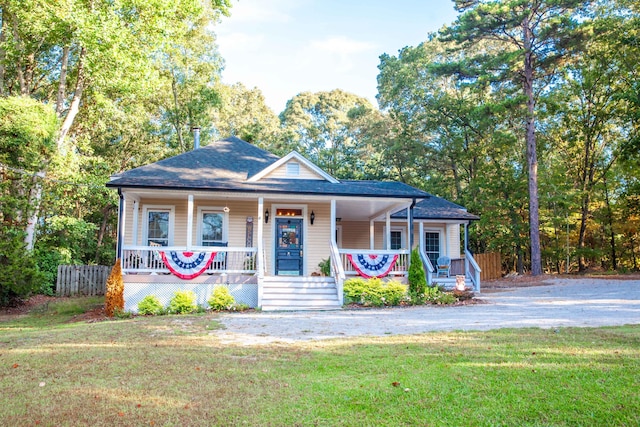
444 265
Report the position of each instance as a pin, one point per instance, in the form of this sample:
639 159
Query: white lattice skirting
244 293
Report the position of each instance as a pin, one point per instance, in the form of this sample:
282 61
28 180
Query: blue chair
443 267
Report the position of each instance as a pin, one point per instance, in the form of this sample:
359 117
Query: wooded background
524 112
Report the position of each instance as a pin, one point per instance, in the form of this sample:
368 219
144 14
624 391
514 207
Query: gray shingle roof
436 207
225 166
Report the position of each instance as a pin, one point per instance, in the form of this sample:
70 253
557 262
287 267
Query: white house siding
453 240
238 212
355 234
318 236
281 172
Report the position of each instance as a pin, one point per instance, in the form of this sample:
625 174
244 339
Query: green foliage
374 292
417 279
221 299
436 295
19 274
183 302
318 125
28 129
325 267
150 305
48 261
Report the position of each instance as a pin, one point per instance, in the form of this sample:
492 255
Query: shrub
221 299
150 305
183 302
354 289
393 292
417 280
114 296
374 292
325 267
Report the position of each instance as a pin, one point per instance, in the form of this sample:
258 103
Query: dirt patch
26 305
39 303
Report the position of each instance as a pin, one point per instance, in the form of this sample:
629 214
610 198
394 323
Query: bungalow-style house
231 214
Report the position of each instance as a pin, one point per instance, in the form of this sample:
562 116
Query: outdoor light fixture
313 217
266 216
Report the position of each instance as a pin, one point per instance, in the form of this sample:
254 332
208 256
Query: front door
288 247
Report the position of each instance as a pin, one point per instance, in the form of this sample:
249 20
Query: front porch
146 273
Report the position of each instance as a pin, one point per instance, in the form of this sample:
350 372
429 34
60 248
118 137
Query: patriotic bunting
187 265
372 265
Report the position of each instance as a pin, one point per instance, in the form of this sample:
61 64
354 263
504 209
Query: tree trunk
103 228
584 216
75 102
176 121
612 236
35 195
3 52
532 156
20 48
62 84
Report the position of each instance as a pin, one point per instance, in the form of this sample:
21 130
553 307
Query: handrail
426 262
475 277
373 251
338 271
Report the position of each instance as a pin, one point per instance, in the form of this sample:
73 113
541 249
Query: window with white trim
158 225
432 246
398 238
212 227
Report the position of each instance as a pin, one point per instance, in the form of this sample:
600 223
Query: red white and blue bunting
187 265
372 265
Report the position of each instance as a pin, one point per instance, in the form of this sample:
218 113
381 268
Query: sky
285 47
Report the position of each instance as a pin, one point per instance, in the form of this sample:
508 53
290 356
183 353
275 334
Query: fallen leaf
121 414
15 365
42 384
139 405
407 389
395 384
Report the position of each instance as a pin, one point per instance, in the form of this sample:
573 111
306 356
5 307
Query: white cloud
342 45
237 41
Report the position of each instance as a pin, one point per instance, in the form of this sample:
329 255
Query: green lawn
172 370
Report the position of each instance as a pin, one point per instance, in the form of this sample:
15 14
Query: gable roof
294 155
230 164
435 207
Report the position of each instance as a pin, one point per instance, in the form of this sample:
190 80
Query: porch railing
337 270
148 259
428 267
400 268
474 270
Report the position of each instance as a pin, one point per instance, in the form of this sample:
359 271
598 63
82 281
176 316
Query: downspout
410 216
120 225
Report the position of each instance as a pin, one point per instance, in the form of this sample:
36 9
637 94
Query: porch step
299 293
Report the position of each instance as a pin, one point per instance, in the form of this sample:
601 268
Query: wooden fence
82 280
490 264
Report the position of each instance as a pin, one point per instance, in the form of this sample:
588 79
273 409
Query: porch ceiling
351 209
366 209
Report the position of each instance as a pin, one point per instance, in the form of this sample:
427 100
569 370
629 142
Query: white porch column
388 230
333 222
420 238
372 237
136 214
189 221
409 229
259 254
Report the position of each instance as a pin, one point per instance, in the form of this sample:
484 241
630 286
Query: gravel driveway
566 302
